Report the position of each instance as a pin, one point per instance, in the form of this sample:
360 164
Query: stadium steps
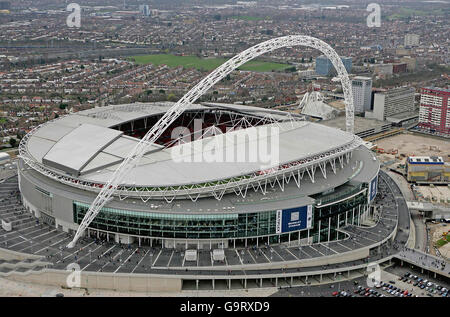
25 266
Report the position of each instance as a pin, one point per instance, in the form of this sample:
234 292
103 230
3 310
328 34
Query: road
420 229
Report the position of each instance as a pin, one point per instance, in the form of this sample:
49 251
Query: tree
290 69
171 97
12 142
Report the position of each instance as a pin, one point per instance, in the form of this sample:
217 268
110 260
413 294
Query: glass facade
325 67
183 226
346 211
344 205
230 226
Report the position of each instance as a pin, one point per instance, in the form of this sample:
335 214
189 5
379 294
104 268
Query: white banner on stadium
278 221
309 217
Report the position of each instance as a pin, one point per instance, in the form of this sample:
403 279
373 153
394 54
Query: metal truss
198 90
144 193
194 191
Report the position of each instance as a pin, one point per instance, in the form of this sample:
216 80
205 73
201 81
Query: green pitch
204 63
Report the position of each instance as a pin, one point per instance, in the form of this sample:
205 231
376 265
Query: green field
204 63
443 241
246 18
408 12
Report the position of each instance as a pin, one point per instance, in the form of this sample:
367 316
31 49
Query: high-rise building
411 40
144 9
434 113
324 66
392 102
5 5
362 88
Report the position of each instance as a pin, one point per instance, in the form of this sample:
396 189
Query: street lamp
339 281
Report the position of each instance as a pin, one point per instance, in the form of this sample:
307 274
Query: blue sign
373 188
294 219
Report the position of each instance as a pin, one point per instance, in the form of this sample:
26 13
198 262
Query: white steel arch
198 90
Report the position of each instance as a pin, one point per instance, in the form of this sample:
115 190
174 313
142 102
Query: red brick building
399 68
434 114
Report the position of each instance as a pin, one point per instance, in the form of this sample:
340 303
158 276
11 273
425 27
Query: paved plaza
33 237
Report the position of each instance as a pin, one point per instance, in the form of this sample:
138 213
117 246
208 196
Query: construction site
400 146
439 236
439 195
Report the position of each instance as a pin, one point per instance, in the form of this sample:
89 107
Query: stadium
323 178
197 195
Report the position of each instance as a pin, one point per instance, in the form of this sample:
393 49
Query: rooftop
361 124
84 145
437 89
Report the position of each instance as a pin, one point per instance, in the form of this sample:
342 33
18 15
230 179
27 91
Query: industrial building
427 169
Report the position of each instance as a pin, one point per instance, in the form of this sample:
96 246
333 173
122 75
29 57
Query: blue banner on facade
294 219
373 188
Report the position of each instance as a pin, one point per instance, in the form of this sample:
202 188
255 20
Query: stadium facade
322 179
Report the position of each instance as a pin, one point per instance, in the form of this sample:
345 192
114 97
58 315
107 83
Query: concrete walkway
15 289
420 234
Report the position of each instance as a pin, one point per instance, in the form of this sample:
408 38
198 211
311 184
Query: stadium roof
292 196
209 170
170 168
84 145
74 150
